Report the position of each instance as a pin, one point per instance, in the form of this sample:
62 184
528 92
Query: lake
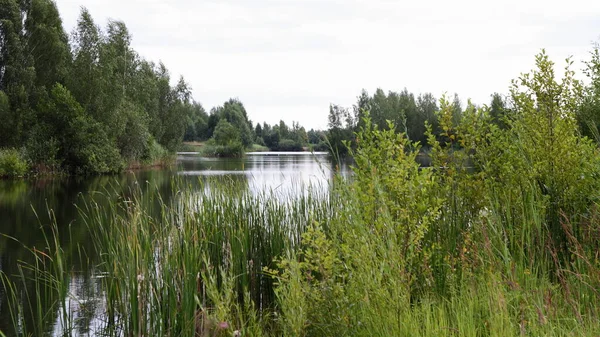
28 207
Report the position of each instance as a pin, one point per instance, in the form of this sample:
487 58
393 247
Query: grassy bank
220 260
399 251
498 238
19 164
191 147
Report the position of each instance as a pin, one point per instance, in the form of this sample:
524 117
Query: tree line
85 102
228 131
414 115
404 111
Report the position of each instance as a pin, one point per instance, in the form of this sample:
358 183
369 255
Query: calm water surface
27 208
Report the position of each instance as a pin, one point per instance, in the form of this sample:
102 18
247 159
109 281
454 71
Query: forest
83 103
88 103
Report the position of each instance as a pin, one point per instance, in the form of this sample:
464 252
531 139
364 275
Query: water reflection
26 222
286 172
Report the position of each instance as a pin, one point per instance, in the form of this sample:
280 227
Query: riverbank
209 149
15 165
397 250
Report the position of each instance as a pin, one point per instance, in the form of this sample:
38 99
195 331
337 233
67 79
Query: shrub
320 147
12 163
155 153
231 150
42 148
288 145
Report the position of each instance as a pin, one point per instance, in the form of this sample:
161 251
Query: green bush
232 150
42 149
155 153
320 147
288 145
12 163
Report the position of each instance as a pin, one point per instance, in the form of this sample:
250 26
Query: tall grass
219 261
397 250
199 263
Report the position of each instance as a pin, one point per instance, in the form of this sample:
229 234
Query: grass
218 260
397 250
191 146
258 148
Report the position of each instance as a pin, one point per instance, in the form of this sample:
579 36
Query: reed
396 250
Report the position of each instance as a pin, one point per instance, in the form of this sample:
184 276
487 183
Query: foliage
288 145
589 110
212 149
12 164
407 114
110 105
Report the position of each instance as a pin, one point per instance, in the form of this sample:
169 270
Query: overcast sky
288 59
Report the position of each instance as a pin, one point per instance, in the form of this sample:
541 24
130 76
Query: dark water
28 207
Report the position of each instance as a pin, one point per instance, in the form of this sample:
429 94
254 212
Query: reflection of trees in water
151 189
87 301
32 206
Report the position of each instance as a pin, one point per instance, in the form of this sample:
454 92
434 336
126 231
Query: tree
47 43
82 144
134 140
233 111
16 72
559 162
426 109
196 120
457 110
258 131
337 134
588 116
363 103
225 133
85 77
499 111
5 115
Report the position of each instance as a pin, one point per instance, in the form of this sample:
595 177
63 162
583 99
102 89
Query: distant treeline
229 132
408 113
412 114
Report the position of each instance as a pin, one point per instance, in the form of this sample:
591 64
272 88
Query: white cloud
288 59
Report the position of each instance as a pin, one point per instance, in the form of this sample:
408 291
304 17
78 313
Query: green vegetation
85 103
498 237
229 133
12 163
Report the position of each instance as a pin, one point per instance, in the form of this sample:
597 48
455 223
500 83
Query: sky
289 59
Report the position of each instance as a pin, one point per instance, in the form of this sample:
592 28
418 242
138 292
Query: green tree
85 78
426 109
457 110
82 144
499 111
5 115
338 134
589 111
549 153
16 72
234 112
47 43
177 103
225 133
